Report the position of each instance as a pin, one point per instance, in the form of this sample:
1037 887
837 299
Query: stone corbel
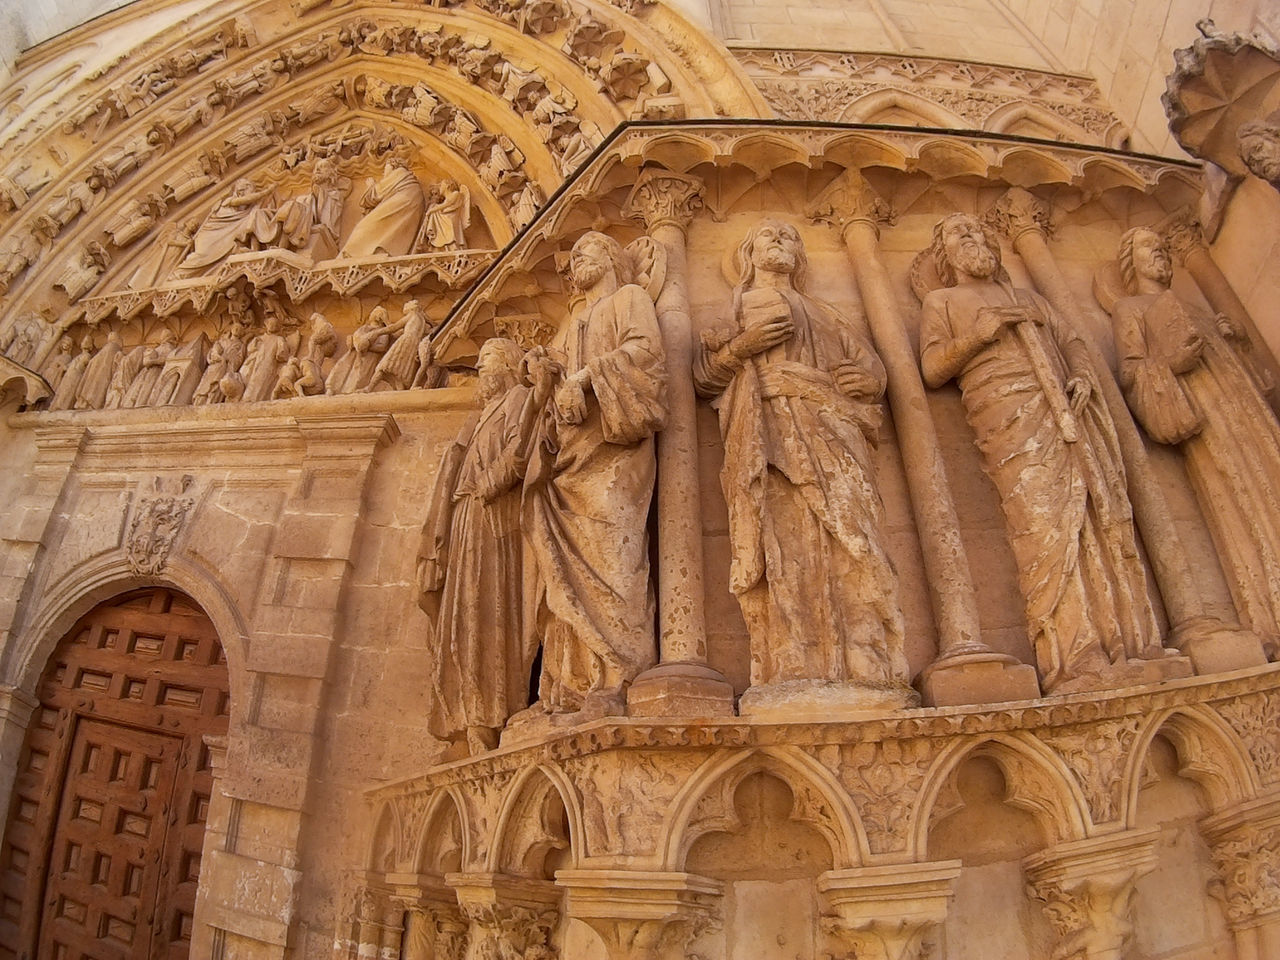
1087 889
886 912
435 927
1245 845
510 916
642 914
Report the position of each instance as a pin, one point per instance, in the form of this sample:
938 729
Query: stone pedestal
1215 647
887 912
978 678
641 914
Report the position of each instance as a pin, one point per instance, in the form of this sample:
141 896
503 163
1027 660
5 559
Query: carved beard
776 258
975 260
492 387
1160 270
587 273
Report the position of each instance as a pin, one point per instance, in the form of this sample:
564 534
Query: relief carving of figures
309 223
303 376
244 220
394 208
400 363
64 396
365 348
1050 448
798 390
470 564
23 338
1187 384
55 368
135 219
447 218
163 255
91 394
181 372
223 366
18 251
588 498
127 366
80 276
194 176
140 388
267 352
62 209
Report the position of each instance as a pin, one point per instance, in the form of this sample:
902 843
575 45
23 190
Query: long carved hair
938 248
511 354
1129 275
617 256
747 270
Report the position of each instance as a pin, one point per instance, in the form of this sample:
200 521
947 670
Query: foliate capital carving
1018 212
1184 236
848 200
661 197
887 912
509 916
1245 846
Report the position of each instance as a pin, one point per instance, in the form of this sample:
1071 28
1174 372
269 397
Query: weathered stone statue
139 391
64 397
798 389
224 360
55 368
1259 145
267 352
309 223
127 366
91 394
394 208
470 565
244 220
399 364
588 496
1187 385
1050 447
444 226
303 375
156 266
365 348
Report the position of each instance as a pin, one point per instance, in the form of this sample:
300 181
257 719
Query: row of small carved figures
274 364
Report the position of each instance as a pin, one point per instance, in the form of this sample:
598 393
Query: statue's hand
991 320
856 383
1188 353
1227 327
761 337
1079 390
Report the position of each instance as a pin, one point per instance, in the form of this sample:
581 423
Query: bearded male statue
588 492
1049 445
1188 383
798 390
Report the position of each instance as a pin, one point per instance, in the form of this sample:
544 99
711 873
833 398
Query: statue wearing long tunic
1050 448
240 221
267 352
309 223
798 389
91 394
395 205
587 501
471 560
224 360
1188 385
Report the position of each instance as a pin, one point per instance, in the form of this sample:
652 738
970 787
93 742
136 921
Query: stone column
508 916
1212 645
435 928
16 708
1245 845
1186 242
1087 888
967 670
886 912
641 914
682 684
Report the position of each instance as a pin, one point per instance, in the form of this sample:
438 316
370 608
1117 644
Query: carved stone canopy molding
1219 83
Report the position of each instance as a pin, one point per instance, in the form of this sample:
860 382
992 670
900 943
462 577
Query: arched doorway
101 854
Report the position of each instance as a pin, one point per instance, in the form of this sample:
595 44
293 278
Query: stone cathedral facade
641 479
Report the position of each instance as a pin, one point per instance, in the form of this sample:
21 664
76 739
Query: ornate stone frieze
856 87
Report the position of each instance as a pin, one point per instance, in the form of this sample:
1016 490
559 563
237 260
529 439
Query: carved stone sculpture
55 368
394 208
225 358
91 394
303 376
142 386
1050 448
64 397
80 276
267 352
244 220
126 367
181 372
799 390
23 338
1187 385
400 363
1260 148
447 218
589 496
309 223
163 255
470 565
365 348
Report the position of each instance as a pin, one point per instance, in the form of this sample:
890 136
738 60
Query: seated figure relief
1188 381
798 387
1049 446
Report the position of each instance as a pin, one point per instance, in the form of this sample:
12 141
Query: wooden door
102 851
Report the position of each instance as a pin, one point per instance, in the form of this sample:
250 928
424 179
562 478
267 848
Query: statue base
1216 647
985 677
680 689
1131 673
809 701
537 723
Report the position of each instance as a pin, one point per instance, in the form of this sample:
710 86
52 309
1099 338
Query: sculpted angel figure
798 387
1188 384
587 498
1050 448
471 563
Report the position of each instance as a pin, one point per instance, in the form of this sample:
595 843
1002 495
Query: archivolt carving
705 803
1038 782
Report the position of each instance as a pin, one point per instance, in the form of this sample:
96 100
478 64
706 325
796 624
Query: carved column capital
642 914
849 199
1017 212
1245 846
887 912
1184 236
515 916
664 198
1087 889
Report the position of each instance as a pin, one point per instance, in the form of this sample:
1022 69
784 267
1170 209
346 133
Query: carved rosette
663 198
1017 212
156 523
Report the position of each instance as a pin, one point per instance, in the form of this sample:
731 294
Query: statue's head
498 366
1259 145
86 343
1144 256
378 315
65 345
963 246
411 306
774 246
592 256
